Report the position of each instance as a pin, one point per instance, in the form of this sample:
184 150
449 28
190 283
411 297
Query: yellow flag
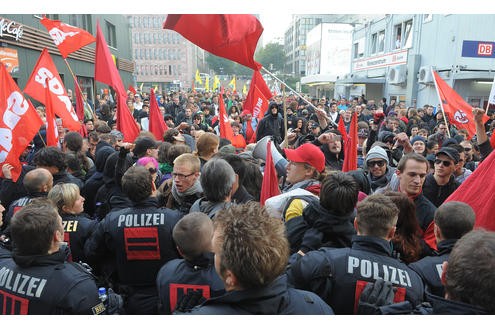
216 83
141 87
207 83
156 88
244 90
198 78
232 84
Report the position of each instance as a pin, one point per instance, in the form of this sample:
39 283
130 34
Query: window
52 16
403 35
82 21
408 34
381 41
398 36
374 40
111 35
358 48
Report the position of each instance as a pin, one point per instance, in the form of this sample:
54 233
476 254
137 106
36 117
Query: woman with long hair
407 240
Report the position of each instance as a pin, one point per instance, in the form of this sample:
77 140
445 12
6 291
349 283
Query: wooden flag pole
284 106
441 105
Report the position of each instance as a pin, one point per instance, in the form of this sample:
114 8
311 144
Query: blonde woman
77 225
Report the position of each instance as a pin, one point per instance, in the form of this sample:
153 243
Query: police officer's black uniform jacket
334 274
18 204
47 284
430 268
178 276
77 229
139 238
275 298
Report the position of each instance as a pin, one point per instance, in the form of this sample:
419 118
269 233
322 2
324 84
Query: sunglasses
445 163
468 149
378 163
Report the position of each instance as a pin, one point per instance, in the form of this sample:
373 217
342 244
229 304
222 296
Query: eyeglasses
445 163
373 163
468 149
181 176
152 170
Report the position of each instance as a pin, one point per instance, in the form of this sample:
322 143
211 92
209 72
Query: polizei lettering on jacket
373 270
20 283
141 220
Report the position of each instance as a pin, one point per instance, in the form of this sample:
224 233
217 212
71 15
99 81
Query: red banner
19 124
269 186
258 97
229 36
157 125
458 112
225 127
67 38
106 72
350 146
45 75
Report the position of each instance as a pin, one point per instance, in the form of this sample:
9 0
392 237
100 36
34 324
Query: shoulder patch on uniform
98 309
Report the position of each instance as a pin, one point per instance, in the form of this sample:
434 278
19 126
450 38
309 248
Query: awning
361 80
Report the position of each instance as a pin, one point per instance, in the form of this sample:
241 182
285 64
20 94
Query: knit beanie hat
418 138
377 152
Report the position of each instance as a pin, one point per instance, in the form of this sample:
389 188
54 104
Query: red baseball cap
309 154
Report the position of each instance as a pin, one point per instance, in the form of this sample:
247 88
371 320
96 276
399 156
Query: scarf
180 196
165 168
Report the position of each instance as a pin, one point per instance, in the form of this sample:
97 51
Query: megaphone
259 152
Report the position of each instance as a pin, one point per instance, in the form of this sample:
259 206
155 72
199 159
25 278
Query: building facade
22 38
164 59
392 57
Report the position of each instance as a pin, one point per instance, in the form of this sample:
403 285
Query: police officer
338 275
37 183
77 225
452 221
37 279
196 271
251 253
139 238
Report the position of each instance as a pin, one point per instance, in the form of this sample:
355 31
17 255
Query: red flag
67 38
258 96
131 89
342 130
80 109
19 124
225 127
477 191
79 102
106 72
269 186
229 36
51 125
350 146
157 125
45 76
458 112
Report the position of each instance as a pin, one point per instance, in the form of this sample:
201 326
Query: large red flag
350 146
19 124
478 191
157 125
51 125
229 36
45 76
106 72
67 38
259 94
269 186
225 127
458 112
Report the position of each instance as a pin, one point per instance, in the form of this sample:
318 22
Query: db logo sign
485 49
461 117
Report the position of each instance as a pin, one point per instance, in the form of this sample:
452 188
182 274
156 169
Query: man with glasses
469 151
461 173
439 185
184 188
377 170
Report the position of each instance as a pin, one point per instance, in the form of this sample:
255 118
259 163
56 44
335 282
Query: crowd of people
175 226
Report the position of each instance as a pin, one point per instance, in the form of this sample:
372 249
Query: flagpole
441 105
284 106
300 96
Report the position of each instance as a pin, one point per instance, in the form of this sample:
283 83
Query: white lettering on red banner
59 36
257 107
16 107
56 88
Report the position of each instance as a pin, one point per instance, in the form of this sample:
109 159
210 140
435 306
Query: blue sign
478 49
